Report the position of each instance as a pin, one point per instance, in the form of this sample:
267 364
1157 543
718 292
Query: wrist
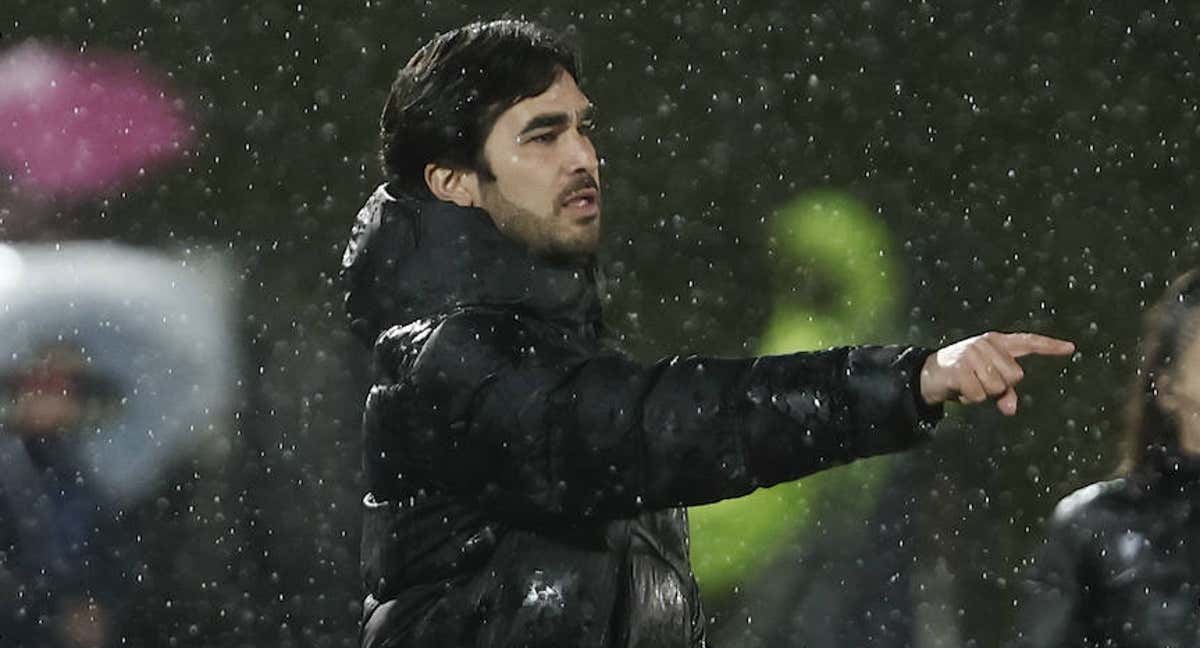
927 384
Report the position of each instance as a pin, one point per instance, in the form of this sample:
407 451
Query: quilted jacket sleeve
483 409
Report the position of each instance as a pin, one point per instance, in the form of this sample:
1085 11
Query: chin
579 251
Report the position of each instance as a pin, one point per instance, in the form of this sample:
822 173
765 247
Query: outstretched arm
486 410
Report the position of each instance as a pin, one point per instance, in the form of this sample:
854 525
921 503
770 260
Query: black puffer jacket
1120 568
526 479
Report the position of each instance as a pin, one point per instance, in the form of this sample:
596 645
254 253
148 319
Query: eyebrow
554 120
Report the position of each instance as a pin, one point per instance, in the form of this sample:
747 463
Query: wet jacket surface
1120 567
526 478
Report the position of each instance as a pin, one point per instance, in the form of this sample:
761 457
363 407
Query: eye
543 138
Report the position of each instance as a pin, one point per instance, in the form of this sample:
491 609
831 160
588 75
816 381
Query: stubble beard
545 237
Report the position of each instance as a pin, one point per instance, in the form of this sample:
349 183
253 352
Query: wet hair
446 99
1151 443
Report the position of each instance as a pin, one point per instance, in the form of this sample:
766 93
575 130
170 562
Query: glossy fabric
1120 568
527 478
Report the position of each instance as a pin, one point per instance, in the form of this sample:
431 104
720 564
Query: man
526 479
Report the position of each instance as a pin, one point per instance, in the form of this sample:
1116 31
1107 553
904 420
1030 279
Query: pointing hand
985 366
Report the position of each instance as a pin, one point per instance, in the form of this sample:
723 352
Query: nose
581 155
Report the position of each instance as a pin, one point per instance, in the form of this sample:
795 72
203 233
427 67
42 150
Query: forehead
563 96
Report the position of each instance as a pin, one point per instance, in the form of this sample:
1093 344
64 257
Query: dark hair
448 96
1151 443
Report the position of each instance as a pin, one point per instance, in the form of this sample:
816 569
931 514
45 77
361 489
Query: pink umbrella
72 126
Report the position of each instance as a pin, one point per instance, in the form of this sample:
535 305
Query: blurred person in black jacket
526 478
1120 562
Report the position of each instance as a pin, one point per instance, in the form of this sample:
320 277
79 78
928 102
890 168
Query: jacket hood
411 258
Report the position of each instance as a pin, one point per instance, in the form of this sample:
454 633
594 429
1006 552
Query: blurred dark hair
445 101
1151 443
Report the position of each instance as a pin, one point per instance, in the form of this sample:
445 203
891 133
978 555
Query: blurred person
808 563
114 381
1120 562
63 552
526 478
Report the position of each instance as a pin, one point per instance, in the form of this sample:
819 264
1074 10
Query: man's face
545 189
48 399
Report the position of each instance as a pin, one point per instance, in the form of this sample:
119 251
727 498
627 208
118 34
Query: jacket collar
411 258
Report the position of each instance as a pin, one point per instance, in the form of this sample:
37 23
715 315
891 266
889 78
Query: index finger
1023 344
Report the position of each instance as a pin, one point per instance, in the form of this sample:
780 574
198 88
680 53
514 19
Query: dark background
1033 162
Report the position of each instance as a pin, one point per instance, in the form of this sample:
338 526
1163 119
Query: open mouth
582 199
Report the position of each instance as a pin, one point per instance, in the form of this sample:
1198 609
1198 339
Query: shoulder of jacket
469 325
1090 500
486 326
460 347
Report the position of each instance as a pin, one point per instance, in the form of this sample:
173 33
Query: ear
451 185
